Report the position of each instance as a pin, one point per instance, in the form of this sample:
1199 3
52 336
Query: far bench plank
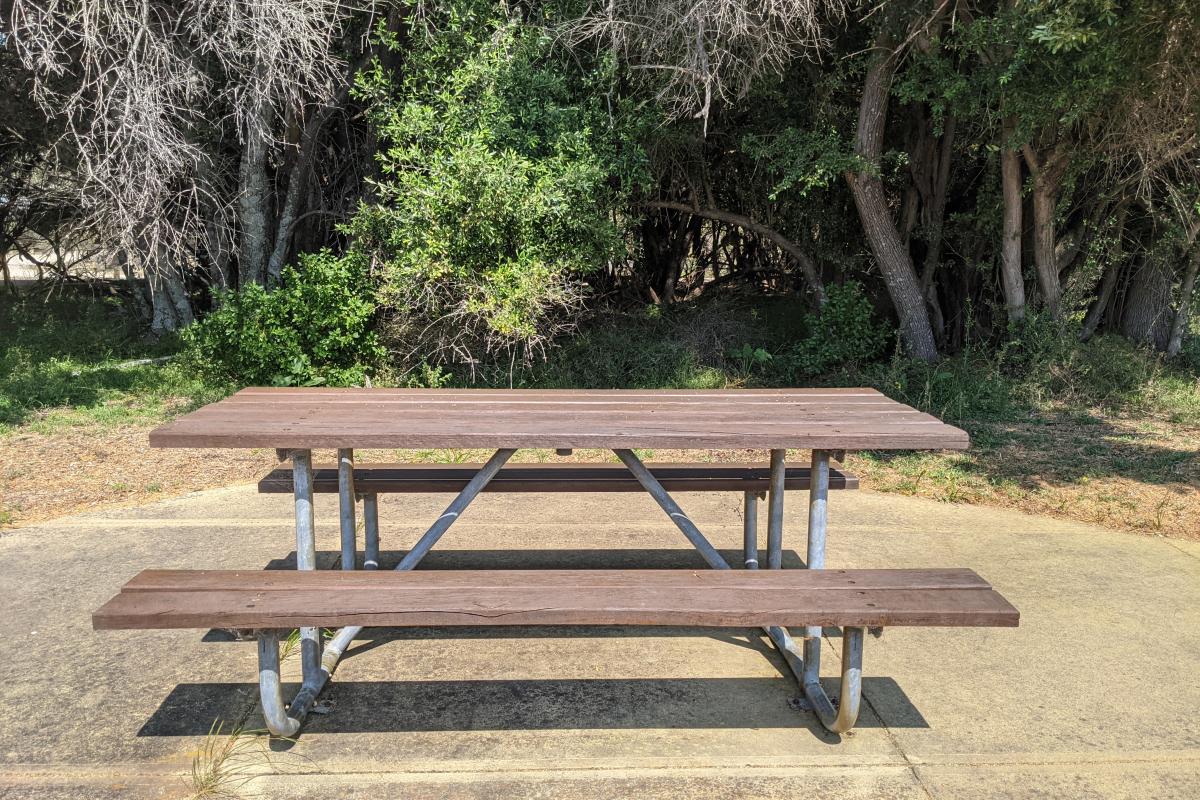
561 477
719 598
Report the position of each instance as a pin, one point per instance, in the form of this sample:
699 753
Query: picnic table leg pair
806 665
317 664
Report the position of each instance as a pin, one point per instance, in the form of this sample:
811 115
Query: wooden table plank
431 598
422 419
289 580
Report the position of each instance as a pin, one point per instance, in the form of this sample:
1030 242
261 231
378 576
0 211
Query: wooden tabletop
827 419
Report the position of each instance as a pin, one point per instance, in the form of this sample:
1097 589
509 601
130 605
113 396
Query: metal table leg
318 665
371 531
750 530
346 507
806 666
818 499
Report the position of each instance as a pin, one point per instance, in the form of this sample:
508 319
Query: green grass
63 364
1104 431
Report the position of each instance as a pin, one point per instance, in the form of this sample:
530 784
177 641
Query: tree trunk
1179 325
252 199
1011 271
937 207
1047 181
1147 316
899 274
8 281
1096 313
142 308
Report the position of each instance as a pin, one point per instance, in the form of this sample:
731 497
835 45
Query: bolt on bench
297 420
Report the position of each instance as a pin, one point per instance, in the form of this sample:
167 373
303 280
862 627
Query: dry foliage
147 92
700 51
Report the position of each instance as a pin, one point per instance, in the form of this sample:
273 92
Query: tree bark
1011 270
298 176
1147 316
1179 324
808 267
1108 283
899 274
1047 182
253 198
937 208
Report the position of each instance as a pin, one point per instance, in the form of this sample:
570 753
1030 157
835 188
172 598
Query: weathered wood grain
831 419
577 597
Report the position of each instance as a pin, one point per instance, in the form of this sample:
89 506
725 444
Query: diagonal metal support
341 640
664 500
319 666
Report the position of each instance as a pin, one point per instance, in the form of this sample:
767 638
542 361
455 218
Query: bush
499 190
316 328
841 336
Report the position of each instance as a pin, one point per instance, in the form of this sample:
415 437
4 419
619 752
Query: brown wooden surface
558 477
830 419
723 598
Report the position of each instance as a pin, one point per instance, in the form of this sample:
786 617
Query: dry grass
1141 476
227 762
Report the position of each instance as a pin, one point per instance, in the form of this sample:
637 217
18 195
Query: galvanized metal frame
804 663
370 531
750 530
317 665
346 506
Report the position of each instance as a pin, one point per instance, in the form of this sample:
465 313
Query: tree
180 120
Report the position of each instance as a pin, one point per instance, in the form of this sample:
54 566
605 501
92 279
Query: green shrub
842 335
316 328
499 190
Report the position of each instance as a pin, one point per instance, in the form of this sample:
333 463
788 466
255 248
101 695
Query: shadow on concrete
566 704
543 704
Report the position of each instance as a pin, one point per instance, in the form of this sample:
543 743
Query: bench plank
561 477
170 580
722 598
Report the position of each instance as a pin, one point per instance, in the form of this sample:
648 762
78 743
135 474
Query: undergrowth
76 360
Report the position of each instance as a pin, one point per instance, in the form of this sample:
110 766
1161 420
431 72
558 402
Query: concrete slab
1094 696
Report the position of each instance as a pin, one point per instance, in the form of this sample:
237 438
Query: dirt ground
1137 476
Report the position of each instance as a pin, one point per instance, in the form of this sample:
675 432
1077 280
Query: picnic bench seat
371 480
275 601
556 477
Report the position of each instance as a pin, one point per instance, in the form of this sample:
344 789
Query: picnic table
294 421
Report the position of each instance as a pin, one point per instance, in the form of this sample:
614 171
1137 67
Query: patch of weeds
227 762
77 361
290 646
154 487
